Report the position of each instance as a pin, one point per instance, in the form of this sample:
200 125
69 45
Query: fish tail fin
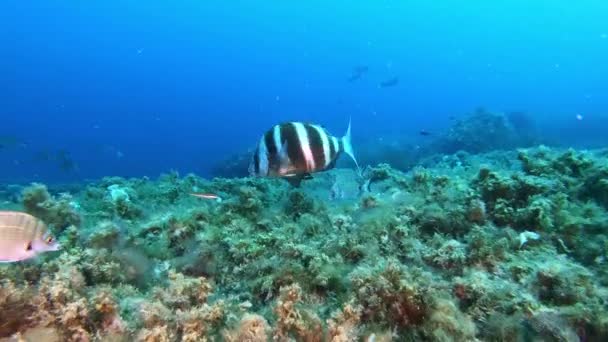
347 146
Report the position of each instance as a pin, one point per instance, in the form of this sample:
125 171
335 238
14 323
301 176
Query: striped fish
22 236
294 150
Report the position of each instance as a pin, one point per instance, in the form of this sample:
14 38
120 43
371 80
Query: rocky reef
484 131
502 246
480 131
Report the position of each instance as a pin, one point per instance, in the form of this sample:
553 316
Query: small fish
294 150
365 186
206 196
22 236
424 132
11 141
360 69
527 236
336 192
358 72
352 78
365 181
390 82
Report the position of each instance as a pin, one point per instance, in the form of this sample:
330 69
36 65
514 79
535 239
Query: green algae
432 254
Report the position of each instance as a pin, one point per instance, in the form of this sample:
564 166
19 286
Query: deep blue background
182 84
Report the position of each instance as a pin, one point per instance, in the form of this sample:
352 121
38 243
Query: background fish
22 236
389 83
358 72
295 149
7 141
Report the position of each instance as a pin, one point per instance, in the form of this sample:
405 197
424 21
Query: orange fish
206 196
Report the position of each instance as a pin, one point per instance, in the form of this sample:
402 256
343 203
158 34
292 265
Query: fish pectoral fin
295 181
332 164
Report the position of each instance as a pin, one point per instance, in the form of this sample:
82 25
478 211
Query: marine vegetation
499 246
480 131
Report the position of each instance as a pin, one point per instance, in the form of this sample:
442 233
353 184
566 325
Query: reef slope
501 246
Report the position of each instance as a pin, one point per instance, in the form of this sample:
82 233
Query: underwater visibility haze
303 171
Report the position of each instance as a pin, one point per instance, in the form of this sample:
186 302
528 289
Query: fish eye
49 239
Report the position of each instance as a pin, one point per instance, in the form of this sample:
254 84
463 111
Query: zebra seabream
294 150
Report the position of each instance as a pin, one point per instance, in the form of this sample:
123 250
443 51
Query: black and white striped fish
294 150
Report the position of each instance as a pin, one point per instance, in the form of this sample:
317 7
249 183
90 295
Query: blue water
135 88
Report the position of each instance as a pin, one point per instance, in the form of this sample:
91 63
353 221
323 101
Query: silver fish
23 236
336 192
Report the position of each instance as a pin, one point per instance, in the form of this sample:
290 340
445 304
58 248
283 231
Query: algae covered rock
434 254
59 213
482 131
